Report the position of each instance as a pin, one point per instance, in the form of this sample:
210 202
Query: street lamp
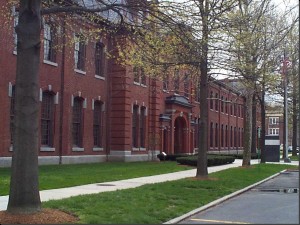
284 74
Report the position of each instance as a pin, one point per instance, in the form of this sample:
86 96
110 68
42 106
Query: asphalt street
275 201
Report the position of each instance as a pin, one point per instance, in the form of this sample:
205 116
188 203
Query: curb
218 201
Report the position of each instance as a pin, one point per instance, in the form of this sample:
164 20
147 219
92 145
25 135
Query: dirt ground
45 216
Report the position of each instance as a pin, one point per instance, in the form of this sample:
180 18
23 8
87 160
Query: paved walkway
122 184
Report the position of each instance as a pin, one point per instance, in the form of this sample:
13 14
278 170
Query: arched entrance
179 135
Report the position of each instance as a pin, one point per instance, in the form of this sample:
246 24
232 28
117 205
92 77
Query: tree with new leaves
252 44
192 45
111 16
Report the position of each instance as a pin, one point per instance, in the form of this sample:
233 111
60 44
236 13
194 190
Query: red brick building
94 110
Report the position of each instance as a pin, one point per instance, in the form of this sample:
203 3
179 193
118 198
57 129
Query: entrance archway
179 135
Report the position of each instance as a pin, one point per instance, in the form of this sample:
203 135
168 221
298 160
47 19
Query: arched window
97 124
135 121
142 127
231 137
77 122
217 136
222 135
211 134
47 115
235 137
226 136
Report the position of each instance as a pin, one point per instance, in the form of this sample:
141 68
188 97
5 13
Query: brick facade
137 120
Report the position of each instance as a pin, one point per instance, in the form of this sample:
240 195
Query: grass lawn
294 158
158 203
59 176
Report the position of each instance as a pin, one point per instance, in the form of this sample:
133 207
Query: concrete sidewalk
122 184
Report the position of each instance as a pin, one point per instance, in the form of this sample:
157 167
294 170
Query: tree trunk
203 127
248 131
263 127
202 152
295 122
254 129
24 189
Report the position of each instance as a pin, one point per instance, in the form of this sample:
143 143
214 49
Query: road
275 201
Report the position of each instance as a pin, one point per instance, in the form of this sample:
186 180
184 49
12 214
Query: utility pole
285 107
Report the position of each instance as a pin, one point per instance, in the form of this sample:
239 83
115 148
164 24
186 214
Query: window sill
143 85
99 77
135 149
143 149
136 83
96 149
77 149
80 71
166 91
11 148
15 53
47 149
50 63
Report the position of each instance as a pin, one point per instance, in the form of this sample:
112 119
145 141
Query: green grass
294 158
59 176
158 203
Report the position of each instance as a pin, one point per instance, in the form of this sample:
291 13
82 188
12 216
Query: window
211 134
217 136
97 126
142 127
222 135
274 120
226 136
242 138
79 53
196 138
226 106
234 109
239 138
165 82
222 104
231 137
139 76
99 59
12 113
176 81
135 126
49 42
217 102
77 122
136 76
235 137
47 115
16 21
186 85
211 102
143 77
242 112
273 131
